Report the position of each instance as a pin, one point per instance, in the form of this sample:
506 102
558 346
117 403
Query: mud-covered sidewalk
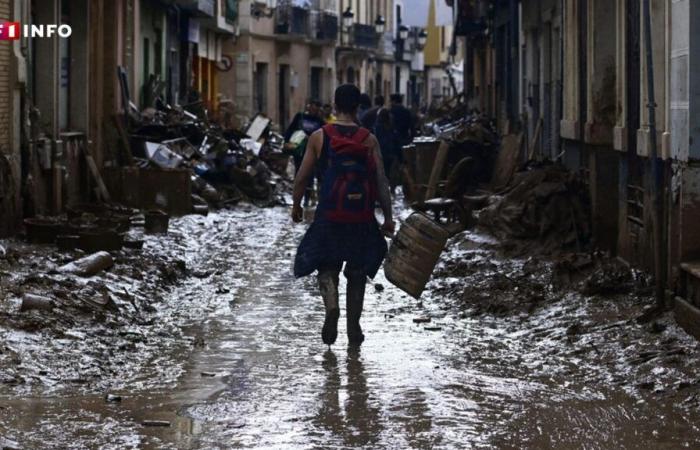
211 343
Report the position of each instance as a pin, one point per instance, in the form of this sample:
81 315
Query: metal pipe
656 173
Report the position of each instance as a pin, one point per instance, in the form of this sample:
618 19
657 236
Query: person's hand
297 213
389 228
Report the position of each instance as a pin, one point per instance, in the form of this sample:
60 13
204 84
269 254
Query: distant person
365 105
370 118
345 229
328 115
297 135
388 140
402 119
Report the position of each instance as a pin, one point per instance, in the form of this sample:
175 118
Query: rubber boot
328 284
357 280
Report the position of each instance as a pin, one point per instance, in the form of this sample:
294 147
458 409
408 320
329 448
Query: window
260 88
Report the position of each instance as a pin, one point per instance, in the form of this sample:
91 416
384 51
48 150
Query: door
260 88
283 96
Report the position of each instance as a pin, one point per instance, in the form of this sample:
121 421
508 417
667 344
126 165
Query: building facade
281 59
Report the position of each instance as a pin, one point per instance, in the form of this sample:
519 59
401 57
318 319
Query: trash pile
543 208
227 165
95 227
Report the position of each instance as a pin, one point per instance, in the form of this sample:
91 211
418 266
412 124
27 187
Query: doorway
283 95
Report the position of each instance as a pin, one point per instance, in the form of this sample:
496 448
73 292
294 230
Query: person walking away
328 115
345 229
296 138
370 118
389 144
402 119
365 105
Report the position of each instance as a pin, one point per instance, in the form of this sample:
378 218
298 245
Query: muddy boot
357 281
328 284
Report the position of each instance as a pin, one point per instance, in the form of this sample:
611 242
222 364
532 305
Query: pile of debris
543 208
219 164
226 166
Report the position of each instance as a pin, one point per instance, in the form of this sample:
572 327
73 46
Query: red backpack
349 184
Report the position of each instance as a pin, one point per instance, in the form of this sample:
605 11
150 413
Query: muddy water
249 370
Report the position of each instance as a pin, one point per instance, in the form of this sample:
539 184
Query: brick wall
9 161
5 89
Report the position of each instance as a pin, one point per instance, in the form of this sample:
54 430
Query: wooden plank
692 268
57 189
126 146
101 187
687 316
507 161
535 138
438 167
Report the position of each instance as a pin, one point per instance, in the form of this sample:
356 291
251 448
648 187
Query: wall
10 207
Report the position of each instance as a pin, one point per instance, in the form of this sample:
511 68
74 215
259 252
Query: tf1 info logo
11 31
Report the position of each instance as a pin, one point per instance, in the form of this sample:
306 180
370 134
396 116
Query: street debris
111 398
89 265
542 208
421 319
30 301
155 423
226 166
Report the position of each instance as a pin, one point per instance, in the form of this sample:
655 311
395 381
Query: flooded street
233 358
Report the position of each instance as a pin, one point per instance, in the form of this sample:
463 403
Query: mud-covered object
544 209
326 243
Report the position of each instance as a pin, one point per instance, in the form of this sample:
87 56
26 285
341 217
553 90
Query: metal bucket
156 222
414 252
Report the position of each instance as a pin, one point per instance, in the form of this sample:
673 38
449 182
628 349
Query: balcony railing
199 8
292 20
364 36
324 26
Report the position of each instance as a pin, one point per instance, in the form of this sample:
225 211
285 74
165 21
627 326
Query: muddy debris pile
543 209
479 275
227 165
54 302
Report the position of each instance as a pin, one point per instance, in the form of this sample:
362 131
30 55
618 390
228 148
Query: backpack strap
330 130
360 135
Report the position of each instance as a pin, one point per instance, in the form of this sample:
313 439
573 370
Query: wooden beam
438 167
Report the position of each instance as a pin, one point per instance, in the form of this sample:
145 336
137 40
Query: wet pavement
232 358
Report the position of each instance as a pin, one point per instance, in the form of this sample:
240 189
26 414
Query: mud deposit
216 341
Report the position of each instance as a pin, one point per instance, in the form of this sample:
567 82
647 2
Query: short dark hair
365 101
396 98
315 102
379 100
347 99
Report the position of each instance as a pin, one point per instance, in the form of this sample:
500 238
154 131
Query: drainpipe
656 173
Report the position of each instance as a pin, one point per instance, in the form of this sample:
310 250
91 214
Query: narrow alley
349 224
234 359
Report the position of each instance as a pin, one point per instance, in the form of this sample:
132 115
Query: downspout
656 172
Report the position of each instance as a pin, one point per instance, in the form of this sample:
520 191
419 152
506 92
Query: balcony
324 26
292 20
199 8
364 36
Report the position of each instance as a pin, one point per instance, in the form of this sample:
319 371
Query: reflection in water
413 412
358 423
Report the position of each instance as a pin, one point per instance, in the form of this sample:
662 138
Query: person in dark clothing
345 229
388 142
369 119
402 119
365 105
297 135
